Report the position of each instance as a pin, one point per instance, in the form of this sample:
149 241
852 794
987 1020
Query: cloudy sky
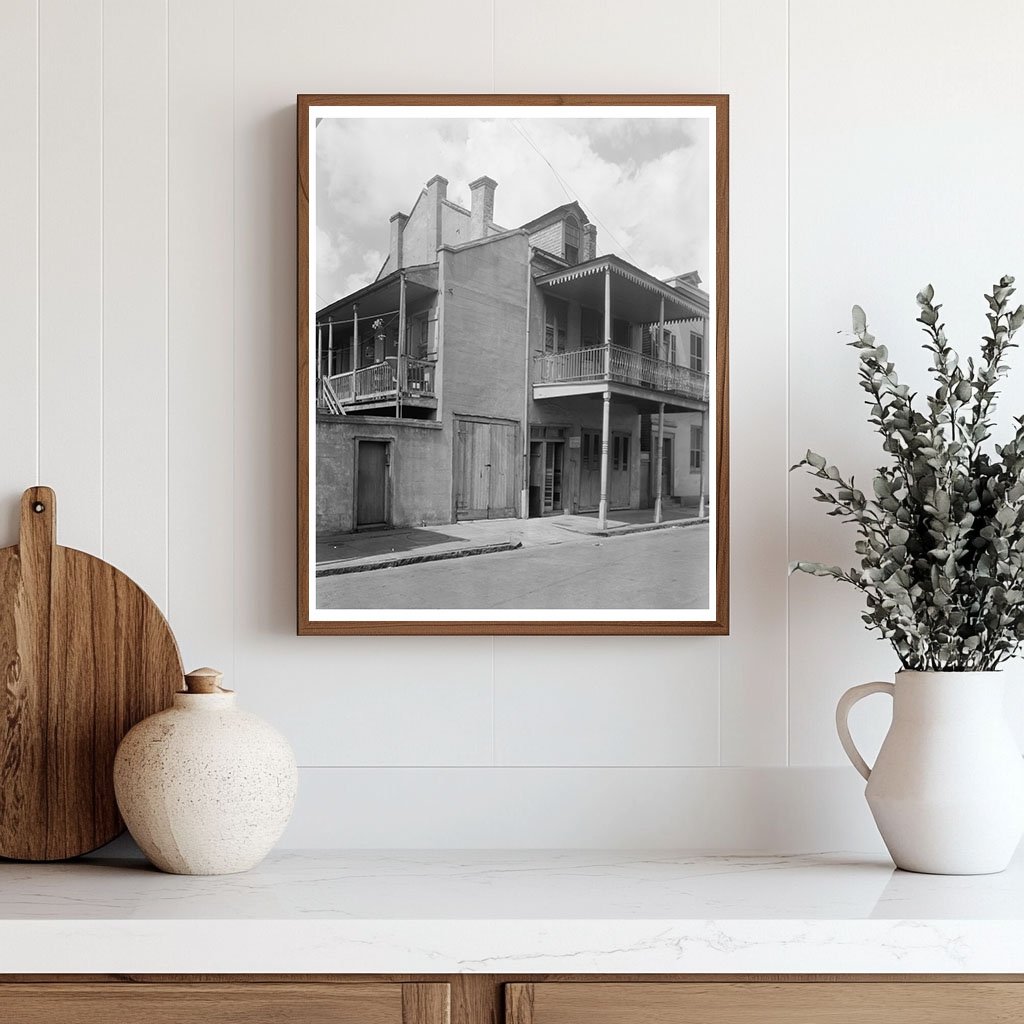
643 181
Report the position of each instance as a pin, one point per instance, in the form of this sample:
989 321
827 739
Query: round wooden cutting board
84 655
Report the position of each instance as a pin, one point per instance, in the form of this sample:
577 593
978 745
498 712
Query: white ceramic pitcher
947 789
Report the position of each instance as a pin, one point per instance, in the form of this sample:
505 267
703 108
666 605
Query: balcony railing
623 366
381 380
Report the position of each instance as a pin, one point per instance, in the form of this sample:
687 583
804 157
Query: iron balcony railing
411 377
622 366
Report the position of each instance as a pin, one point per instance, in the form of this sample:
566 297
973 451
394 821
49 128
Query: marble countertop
510 912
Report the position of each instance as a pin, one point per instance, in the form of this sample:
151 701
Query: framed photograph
512 364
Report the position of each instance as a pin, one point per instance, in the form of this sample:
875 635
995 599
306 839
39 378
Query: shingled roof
554 214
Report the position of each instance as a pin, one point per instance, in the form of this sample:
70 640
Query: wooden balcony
408 380
589 370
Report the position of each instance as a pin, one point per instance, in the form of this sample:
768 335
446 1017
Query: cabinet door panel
747 1003
230 1003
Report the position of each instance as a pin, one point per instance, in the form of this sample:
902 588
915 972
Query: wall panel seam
167 309
719 46
718 676
103 281
234 333
788 382
494 699
38 201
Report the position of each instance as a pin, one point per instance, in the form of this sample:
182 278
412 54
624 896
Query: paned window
696 352
572 240
696 448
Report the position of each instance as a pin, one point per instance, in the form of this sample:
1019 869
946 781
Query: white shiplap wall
147 267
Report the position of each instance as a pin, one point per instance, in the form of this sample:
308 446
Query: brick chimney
437 190
481 207
398 222
589 242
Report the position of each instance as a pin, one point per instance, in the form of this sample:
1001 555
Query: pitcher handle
846 702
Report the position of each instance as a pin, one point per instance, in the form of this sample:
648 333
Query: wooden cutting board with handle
84 655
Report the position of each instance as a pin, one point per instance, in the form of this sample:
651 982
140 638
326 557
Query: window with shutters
555 318
696 448
645 435
649 346
620 333
669 351
421 337
696 351
620 452
591 328
572 240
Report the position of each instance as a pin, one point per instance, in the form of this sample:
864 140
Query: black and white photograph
513 385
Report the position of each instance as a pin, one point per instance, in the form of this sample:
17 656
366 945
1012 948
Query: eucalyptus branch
1003 325
941 539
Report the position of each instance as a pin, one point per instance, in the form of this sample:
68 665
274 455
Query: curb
437 556
622 531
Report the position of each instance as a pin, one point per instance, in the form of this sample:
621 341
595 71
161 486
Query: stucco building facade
491 372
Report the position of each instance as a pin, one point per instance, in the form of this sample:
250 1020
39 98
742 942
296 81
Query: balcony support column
602 510
659 457
703 448
704 445
705 353
659 352
607 323
524 493
355 343
400 357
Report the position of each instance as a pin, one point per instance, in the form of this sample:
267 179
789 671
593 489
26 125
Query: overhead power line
567 188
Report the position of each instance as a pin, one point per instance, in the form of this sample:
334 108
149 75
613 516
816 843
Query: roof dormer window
572 240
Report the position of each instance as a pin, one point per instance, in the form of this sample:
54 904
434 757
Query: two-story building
491 372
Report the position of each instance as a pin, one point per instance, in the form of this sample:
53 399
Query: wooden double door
619 467
485 468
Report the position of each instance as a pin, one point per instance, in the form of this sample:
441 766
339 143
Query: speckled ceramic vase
205 789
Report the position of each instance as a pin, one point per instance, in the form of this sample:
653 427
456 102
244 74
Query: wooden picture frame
389 374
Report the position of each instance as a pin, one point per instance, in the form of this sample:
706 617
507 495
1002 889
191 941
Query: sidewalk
385 549
630 520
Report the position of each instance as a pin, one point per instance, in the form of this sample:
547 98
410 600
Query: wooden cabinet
496 999
792 1002
237 1002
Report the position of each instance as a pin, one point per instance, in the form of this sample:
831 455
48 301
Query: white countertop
510 912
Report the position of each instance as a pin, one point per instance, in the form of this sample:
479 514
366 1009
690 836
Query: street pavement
659 569
374 549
